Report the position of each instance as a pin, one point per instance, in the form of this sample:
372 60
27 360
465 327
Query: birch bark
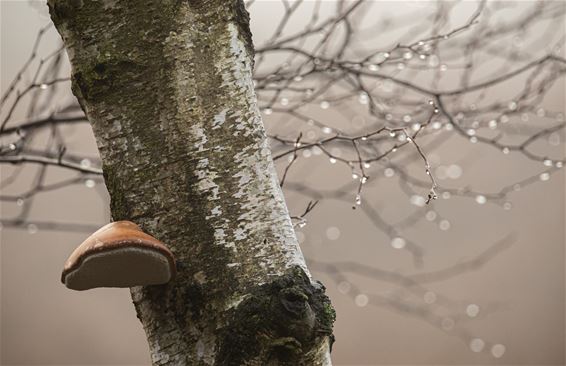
167 86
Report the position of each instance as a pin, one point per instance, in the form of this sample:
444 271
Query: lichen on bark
167 86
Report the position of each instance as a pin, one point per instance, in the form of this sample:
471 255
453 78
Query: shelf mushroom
119 254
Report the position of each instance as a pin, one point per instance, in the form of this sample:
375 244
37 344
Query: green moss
277 322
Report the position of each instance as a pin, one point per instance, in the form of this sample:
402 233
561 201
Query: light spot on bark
235 302
219 119
199 133
216 211
240 234
200 349
157 356
200 277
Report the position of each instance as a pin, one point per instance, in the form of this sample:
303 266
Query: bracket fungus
119 254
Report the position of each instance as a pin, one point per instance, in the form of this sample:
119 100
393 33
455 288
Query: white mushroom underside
124 267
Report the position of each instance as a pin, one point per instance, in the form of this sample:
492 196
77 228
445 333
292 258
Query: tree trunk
167 86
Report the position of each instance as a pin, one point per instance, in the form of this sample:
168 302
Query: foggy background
512 305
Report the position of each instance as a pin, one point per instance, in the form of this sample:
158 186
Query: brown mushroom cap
119 255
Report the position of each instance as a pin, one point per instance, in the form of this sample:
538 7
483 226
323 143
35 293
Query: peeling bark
168 89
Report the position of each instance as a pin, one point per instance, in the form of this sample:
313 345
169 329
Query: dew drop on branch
398 243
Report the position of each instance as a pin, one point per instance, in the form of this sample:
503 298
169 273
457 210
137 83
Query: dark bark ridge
287 315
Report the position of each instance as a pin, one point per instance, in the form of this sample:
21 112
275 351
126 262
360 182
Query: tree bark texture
167 86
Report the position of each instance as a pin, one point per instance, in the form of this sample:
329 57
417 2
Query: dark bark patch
277 323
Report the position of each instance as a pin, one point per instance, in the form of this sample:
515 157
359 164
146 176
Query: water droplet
398 243
32 229
544 177
85 163
447 324
454 171
443 67
408 55
433 61
505 150
267 111
298 78
507 206
498 350
361 300
418 200
477 345
416 126
326 130
284 101
444 225
373 67
332 233
12 147
554 139
446 195
472 310
358 200
431 215
332 161
344 287
20 202
363 98
89 183
473 139
324 104
43 86
429 297
547 162
407 118
481 199
389 172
